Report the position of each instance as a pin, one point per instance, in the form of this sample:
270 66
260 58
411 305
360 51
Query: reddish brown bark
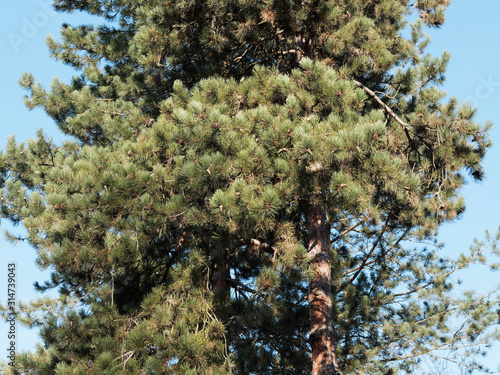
322 336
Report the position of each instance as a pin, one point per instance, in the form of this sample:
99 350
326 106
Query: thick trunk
322 336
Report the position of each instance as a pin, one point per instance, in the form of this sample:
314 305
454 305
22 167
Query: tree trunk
220 274
322 336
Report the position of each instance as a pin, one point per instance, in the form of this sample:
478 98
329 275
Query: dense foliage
203 139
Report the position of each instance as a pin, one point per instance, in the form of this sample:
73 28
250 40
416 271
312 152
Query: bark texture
220 274
322 336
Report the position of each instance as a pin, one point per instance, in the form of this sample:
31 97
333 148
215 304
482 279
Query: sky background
470 34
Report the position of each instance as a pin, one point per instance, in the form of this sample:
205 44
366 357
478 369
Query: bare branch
354 226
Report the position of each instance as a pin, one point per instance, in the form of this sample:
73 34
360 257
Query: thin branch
369 254
263 246
129 355
175 254
354 226
462 364
386 108
434 278
439 347
415 89
238 285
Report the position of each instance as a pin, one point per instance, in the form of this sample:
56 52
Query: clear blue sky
471 34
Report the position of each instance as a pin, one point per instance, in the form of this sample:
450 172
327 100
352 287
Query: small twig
129 355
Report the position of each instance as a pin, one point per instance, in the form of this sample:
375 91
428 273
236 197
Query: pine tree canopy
241 189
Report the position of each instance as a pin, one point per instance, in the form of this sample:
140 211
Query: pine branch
238 285
354 226
442 346
354 277
175 254
387 109
263 246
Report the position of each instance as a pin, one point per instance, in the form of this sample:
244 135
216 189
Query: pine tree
242 177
